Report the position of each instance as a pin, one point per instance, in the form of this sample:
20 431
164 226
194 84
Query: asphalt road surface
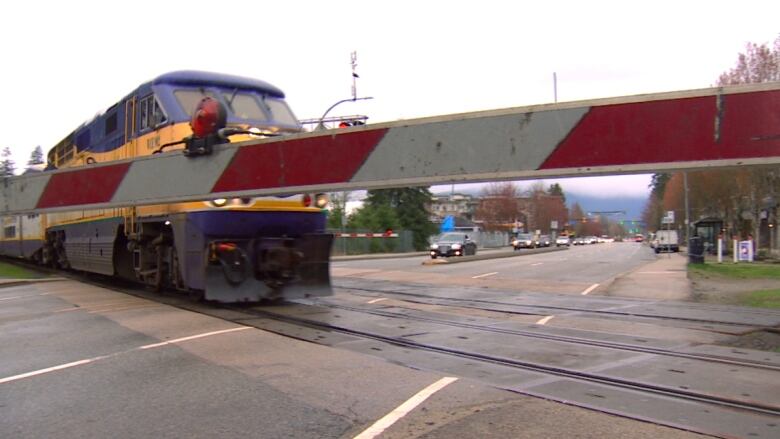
571 270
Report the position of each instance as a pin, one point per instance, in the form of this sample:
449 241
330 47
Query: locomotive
224 250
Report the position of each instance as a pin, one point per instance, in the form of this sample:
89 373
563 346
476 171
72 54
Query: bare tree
499 207
756 187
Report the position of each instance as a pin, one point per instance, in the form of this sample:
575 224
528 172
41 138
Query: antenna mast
353 56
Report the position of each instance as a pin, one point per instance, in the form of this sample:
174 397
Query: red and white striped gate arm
729 126
365 235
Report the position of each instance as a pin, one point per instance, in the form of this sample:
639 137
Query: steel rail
563 308
756 407
566 339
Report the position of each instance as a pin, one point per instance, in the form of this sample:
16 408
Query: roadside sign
554 225
746 251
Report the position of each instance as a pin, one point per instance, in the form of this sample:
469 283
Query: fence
494 239
373 243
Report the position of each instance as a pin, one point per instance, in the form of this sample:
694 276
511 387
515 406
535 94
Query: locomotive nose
278 265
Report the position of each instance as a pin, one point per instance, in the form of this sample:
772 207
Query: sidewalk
666 278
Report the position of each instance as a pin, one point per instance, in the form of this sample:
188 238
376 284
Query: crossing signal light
352 123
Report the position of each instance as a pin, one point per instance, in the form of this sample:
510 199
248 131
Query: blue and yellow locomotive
226 250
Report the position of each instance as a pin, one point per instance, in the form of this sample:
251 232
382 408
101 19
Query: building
456 205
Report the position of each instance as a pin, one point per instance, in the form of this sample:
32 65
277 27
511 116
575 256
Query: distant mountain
633 206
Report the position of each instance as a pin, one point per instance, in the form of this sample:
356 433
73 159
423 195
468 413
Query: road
495 343
572 270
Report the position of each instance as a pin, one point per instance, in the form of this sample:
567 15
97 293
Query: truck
666 241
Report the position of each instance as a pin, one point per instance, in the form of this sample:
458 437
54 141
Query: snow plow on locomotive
225 250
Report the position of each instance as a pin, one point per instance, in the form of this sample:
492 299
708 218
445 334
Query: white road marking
75 308
544 320
48 369
401 411
102 357
377 300
123 308
484 275
590 288
24 296
538 263
193 337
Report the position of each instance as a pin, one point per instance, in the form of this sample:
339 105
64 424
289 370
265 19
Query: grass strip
755 270
10 271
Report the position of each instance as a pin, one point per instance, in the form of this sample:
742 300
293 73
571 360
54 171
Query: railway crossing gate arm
727 126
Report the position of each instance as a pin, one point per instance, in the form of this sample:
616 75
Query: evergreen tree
556 189
36 157
403 208
7 165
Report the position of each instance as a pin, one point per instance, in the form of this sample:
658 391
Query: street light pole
353 58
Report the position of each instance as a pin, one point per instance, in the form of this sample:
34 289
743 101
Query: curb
378 256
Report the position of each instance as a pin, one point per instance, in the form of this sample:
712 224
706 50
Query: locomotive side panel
89 246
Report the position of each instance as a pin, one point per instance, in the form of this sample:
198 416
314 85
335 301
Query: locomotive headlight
321 200
219 202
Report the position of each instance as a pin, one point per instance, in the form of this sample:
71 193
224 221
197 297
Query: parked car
580 240
562 240
544 241
524 240
453 244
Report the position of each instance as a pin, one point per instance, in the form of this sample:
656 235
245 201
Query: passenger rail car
226 250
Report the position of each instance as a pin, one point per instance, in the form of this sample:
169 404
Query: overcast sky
65 61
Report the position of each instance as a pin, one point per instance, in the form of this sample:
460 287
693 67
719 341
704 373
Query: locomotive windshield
244 105
188 99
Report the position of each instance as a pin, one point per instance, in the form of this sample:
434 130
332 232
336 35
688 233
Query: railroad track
303 324
758 364
756 407
521 309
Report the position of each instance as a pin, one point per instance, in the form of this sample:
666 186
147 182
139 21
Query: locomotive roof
196 77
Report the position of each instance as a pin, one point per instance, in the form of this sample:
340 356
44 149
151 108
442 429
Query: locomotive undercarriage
172 253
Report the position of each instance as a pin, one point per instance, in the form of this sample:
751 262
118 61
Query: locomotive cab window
280 112
188 99
244 106
111 124
151 113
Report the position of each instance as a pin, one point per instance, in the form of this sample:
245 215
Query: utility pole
687 212
353 57
353 61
